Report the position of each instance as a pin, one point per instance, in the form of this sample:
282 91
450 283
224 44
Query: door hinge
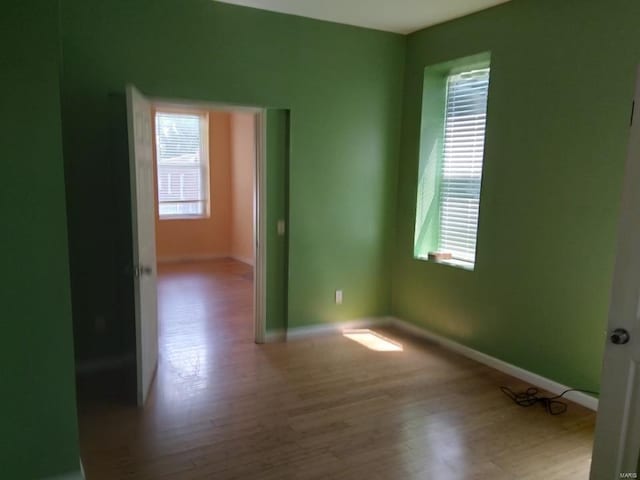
140 270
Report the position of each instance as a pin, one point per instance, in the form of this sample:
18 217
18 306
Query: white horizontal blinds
461 173
182 164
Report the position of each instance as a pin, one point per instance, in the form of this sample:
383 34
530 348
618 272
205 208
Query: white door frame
260 201
260 229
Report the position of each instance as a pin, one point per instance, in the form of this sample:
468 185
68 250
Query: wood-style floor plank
326 407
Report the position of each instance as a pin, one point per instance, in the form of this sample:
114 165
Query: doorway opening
214 305
204 161
177 157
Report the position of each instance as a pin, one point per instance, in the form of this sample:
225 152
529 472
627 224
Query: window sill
461 264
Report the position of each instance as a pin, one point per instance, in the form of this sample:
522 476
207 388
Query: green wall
561 83
38 422
343 87
562 76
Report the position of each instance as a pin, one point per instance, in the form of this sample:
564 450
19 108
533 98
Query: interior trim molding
324 329
275 336
78 475
240 258
421 332
533 378
188 258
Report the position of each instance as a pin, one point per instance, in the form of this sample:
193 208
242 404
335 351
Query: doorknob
619 336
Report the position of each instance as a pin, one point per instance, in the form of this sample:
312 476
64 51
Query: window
451 156
183 164
461 169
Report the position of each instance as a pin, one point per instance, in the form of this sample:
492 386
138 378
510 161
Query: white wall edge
260 230
533 378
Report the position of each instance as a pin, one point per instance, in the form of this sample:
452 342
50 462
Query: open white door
617 440
144 243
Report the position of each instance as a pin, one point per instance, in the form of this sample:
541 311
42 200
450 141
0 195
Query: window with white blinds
183 164
461 166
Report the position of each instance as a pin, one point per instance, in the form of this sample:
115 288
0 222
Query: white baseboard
68 476
188 258
240 258
532 378
103 364
204 258
517 372
275 336
324 329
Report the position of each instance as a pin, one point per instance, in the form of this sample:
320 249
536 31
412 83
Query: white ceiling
400 16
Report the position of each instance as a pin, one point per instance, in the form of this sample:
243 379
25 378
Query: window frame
427 233
205 161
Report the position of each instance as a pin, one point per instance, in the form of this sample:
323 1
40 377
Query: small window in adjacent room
454 114
182 156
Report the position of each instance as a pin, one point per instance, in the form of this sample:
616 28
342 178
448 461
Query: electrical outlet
339 297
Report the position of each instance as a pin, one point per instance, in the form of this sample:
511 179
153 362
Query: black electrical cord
531 396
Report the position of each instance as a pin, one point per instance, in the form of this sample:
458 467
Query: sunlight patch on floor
372 340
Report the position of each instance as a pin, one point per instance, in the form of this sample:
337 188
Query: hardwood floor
319 408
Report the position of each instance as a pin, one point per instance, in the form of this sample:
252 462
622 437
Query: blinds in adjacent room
183 164
461 170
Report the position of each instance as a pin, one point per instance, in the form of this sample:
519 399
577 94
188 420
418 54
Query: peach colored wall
204 238
243 155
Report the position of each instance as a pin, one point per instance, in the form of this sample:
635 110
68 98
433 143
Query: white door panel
617 439
144 244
